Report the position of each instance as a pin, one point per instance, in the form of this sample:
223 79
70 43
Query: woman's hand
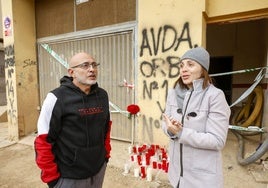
173 126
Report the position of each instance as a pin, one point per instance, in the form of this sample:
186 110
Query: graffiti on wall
9 66
29 62
157 71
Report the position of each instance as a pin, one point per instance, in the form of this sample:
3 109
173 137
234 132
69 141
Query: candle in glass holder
159 166
164 164
154 164
143 174
130 149
126 168
134 149
139 159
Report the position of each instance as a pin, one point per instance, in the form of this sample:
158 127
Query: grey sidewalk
4 135
4 129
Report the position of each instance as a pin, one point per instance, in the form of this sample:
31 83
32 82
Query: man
73 142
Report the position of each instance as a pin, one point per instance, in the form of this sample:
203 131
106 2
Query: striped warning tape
55 55
237 72
118 110
249 128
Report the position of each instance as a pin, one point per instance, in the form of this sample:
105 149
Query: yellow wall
10 71
161 25
26 65
20 67
225 7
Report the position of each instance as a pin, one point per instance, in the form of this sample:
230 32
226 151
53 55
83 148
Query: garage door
114 52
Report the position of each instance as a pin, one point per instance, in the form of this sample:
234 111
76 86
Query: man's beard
87 82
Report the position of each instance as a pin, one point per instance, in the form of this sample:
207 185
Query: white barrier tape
251 88
242 97
118 110
55 55
237 72
249 128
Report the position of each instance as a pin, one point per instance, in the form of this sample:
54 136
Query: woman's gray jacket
195 153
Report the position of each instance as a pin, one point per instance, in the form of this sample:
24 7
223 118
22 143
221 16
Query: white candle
149 174
135 158
126 168
130 149
143 163
136 172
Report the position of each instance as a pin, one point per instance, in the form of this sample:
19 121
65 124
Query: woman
196 121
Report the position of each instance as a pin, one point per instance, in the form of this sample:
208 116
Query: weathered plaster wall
26 65
20 67
166 29
10 70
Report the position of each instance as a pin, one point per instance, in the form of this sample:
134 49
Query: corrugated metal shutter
114 53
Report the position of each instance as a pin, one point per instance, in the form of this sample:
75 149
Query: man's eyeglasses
87 65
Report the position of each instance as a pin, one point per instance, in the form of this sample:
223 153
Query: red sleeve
108 140
45 159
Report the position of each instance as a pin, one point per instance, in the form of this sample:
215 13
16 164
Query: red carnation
133 109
